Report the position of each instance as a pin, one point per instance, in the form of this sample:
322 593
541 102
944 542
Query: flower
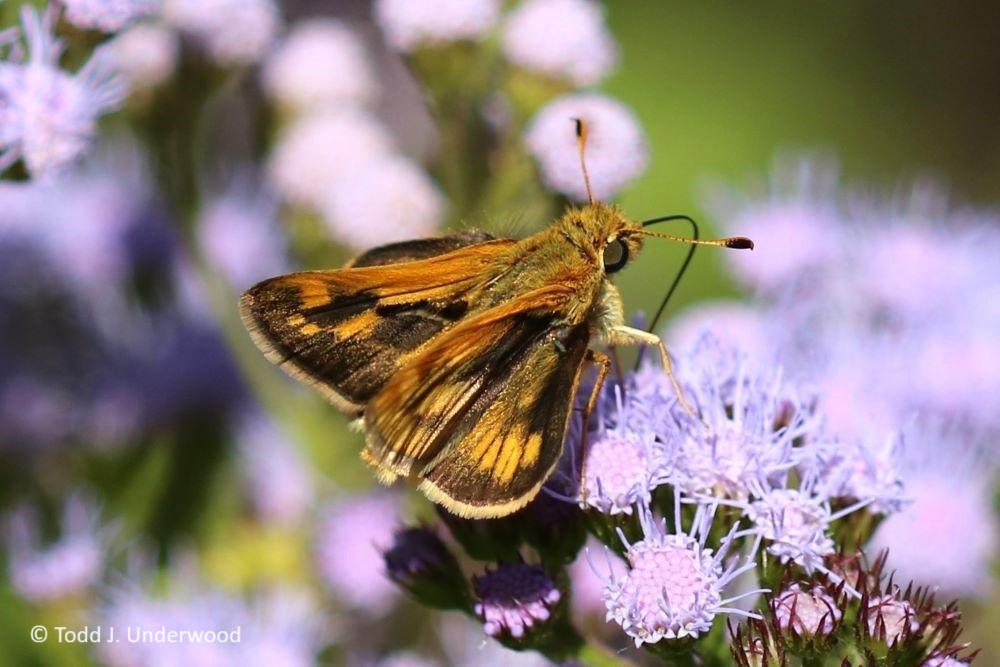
231 32
674 584
617 152
891 618
796 227
407 25
48 118
587 584
322 148
279 479
560 38
386 200
239 234
281 627
514 598
108 15
321 63
812 612
421 563
69 566
733 323
145 54
349 538
949 482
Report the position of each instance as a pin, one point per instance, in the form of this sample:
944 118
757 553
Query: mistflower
384 201
753 421
69 566
806 612
321 63
240 236
48 118
733 323
796 226
408 25
949 482
231 32
322 148
420 562
282 627
279 479
561 39
795 523
108 15
350 536
145 54
894 617
864 468
587 585
514 598
617 152
674 584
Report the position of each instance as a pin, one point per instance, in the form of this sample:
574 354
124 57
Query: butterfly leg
603 363
624 335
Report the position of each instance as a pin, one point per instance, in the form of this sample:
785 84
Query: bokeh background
894 93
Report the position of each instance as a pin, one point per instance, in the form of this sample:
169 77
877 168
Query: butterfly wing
483 424
347 331
410 251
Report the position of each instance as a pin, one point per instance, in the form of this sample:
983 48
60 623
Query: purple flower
320 64
239 234
280 480
946 536
617 151
588 586
386 200
674 584
890 617
282 627
146 54
48 118
233 33
806 612
350 536
514 598
108 15
564 39
408 25
69 566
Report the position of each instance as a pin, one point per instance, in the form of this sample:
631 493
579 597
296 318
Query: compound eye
615 256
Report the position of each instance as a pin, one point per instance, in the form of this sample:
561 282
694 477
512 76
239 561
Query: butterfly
461 356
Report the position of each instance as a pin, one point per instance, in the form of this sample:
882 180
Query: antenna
738 242
581 142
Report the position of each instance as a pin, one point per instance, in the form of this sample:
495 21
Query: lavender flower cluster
156 478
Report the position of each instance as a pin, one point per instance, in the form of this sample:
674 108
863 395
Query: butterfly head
605 233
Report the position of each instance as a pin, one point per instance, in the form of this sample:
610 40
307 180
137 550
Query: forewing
481 414
410 251
347 331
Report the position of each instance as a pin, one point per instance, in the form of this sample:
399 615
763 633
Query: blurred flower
617 152
321 63
279 478
321 149
407 25
387 200
587 585
108 15
282 627
806 612
795 227
48 117
865 468
674 584
350 536
407 659
950 480
232 32
514 598
560 38
240 236
733 323
69 566
145 54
